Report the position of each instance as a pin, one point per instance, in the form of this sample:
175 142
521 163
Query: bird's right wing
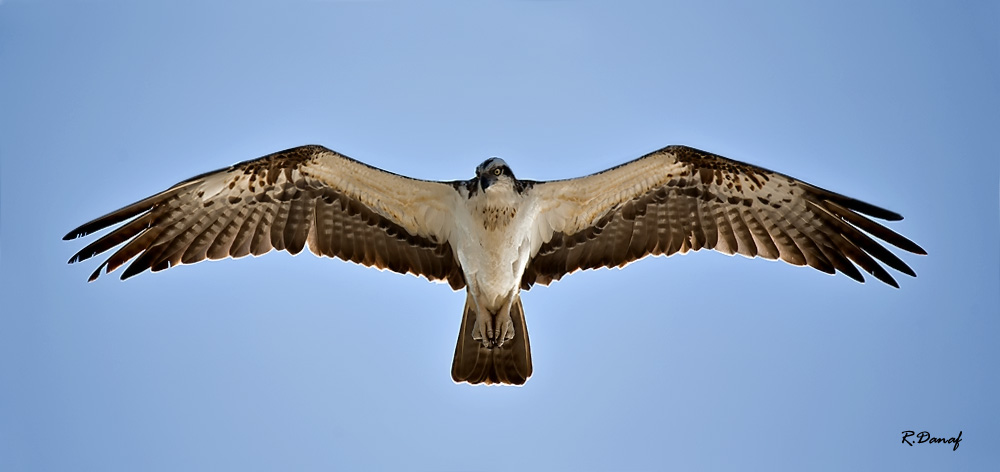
679 199
307 195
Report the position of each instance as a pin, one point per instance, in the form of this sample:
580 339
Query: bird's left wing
679 199
307 195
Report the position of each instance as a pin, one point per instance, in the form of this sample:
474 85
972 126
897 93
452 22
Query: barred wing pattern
680 199
304 196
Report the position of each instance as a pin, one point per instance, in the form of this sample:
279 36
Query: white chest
492 242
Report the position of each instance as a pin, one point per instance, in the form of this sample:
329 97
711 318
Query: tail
509 364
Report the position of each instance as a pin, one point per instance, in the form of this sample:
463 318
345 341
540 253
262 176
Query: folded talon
483 329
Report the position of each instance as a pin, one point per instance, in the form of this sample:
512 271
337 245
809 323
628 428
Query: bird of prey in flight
494 234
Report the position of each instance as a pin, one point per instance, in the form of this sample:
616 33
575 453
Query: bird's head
492 171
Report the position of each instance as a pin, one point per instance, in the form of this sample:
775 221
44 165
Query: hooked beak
485 182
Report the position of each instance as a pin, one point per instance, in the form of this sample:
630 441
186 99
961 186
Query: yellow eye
497 171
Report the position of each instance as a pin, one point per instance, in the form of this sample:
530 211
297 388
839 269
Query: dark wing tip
89 227
892 282
857 205
849 211
911 247
691 155
80 256
138 266
871 210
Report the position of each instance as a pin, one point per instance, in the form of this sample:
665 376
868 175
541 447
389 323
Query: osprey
496 235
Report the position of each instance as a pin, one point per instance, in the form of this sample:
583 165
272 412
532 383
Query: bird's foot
505 330
493 330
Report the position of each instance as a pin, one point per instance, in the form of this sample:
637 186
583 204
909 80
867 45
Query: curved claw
483 329
506 330
493 330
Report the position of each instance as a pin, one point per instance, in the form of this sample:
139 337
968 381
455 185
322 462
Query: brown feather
508 364
221 246
696 200
275 202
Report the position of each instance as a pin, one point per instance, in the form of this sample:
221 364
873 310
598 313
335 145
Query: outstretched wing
307 195
679 199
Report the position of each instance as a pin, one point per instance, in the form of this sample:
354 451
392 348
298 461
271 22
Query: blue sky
696 362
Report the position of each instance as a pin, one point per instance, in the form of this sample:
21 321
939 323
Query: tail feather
509 364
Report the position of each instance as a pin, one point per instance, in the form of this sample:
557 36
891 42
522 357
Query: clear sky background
693 362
